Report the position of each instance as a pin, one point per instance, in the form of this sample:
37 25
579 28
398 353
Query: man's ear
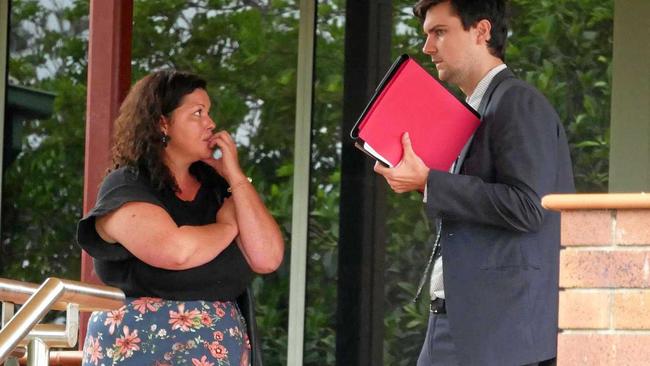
483 31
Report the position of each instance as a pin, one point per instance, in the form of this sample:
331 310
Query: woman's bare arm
148 232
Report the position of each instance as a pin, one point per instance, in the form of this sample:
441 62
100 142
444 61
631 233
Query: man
494 283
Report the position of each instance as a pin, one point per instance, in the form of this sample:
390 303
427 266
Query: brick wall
604 314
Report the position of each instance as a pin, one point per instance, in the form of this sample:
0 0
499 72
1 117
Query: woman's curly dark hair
138 139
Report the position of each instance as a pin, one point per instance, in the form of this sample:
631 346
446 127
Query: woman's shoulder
122 174
125 176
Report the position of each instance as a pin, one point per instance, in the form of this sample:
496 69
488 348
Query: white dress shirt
436 286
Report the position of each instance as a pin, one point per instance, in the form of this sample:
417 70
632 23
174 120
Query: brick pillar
604 314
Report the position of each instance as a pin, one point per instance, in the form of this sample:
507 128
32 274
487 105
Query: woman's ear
163 124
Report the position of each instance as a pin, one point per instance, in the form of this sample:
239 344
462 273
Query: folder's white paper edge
376 154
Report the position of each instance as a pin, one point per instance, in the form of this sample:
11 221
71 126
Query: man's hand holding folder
411 172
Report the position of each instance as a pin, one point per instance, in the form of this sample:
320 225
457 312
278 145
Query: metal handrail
18 292
54 293
59 358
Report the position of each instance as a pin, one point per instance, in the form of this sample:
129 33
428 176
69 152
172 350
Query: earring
165 139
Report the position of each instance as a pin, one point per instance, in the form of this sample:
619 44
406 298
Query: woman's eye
198 113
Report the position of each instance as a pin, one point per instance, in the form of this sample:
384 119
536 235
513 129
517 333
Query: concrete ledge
599 201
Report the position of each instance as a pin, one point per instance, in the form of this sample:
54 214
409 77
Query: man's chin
447 77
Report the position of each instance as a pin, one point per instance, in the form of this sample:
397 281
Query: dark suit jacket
500 247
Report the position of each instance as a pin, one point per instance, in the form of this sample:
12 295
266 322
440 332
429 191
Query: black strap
246 303
435 253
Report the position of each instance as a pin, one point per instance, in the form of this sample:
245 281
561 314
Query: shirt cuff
424 199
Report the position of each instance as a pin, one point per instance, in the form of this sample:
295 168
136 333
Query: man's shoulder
513 90
515 101
508 82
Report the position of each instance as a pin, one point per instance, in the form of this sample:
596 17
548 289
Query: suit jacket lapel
498 78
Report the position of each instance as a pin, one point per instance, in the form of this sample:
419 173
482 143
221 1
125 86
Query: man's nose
428 47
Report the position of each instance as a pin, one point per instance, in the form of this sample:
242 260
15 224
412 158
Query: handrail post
72 324
8 309
38 353
7 313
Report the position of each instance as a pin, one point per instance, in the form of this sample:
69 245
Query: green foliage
247 50
564 48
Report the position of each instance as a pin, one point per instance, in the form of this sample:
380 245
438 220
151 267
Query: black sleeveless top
223 278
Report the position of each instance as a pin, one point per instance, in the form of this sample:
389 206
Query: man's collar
474 100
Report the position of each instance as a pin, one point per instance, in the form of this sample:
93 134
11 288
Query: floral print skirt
150 331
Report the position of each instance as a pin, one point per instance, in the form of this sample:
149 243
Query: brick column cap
596 201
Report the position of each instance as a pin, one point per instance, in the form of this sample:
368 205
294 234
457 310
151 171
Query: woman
179 231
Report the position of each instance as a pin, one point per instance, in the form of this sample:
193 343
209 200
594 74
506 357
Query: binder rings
408 99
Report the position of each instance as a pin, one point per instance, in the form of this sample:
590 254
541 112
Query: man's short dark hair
471 12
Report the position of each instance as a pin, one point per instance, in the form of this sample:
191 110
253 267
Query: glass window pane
44 139
322 260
